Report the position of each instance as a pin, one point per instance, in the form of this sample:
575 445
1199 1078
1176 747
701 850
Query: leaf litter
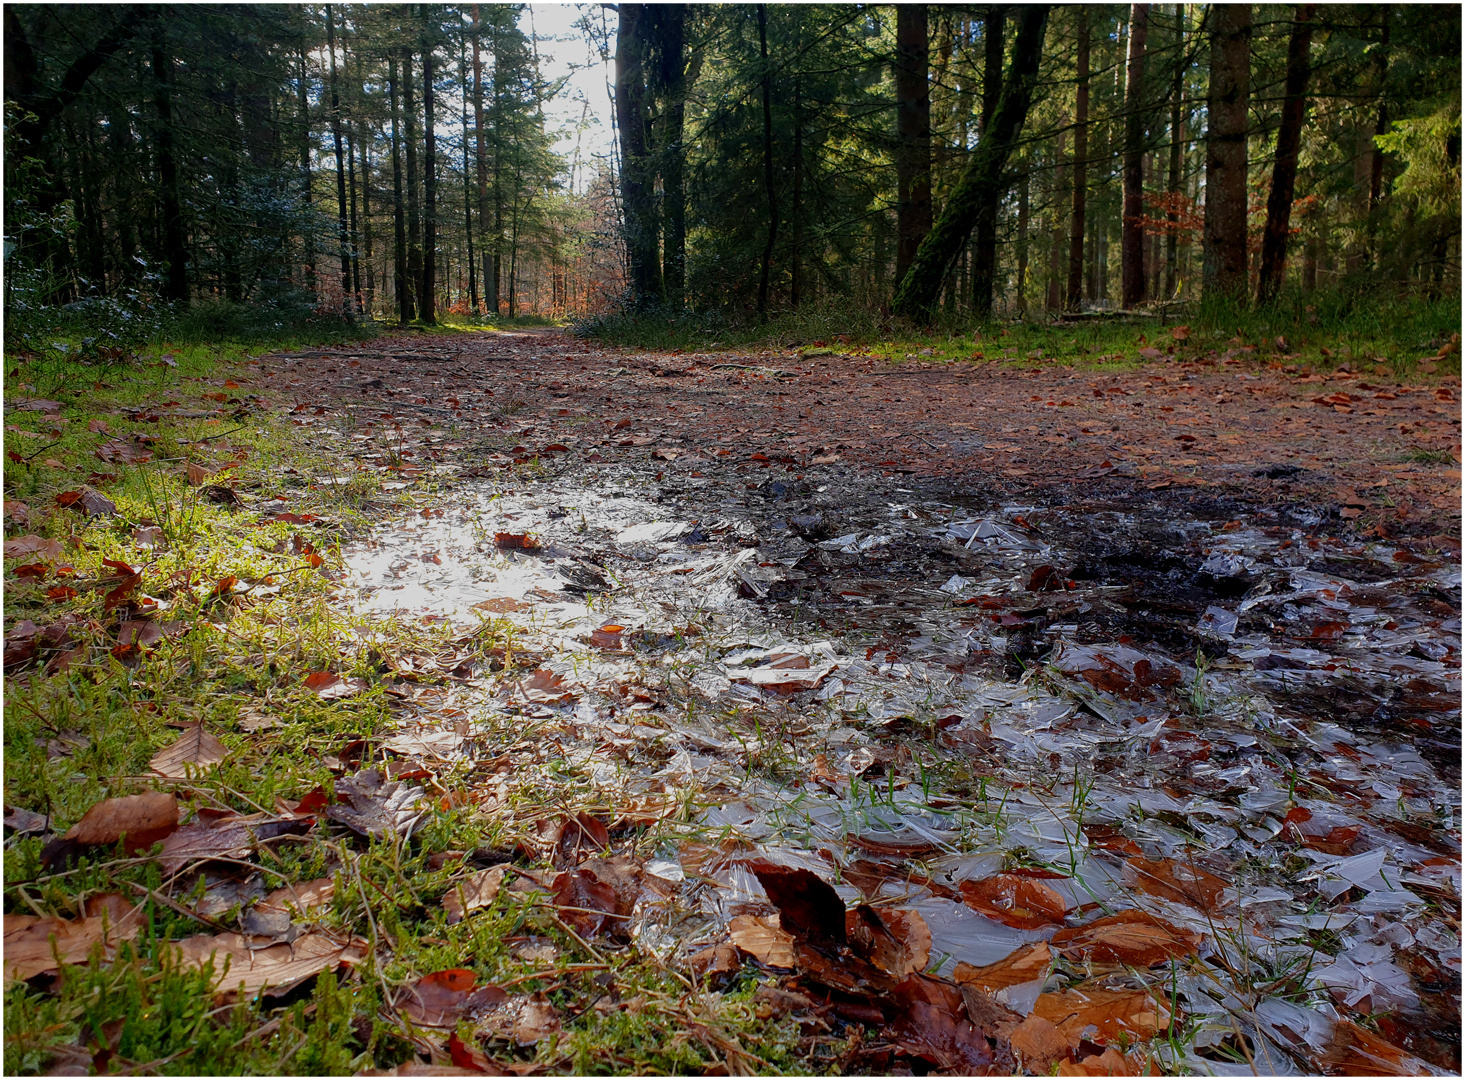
1066 785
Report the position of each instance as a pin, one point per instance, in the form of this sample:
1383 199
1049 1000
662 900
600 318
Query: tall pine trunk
175 244
1177 146
912 133
1080 166
983 178
401 279
468 194
1289 143
1058 248
303 107
1224 267
427 303
984 251
481 161
772 191
343 234
672 79
638 194
414 216
1131 234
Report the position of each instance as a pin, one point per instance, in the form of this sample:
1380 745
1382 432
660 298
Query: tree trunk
983 178
1289 142
1132 235
175 244
1224 271
638 195
772 191
1376 169
490 302
414 216
467 191
984 251
1177 144
427 302
1080 165
1059 249
348 310
672 80
304 113
912 133
401 279
795 292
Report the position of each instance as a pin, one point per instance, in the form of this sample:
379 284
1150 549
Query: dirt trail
1062 675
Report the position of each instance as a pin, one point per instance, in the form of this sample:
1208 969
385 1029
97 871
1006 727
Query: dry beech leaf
501 605
1115 1014
230 837
194 751
377 807
1023 965
33 545
1014 900
542 687
302 898
275 969
577 837
764 942
807 905
935 1024
332 687
479 891
143 819
1131 937
441 998
1182 882
32 943
538 1019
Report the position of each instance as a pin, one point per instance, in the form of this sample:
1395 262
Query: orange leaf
1131 937
1015 901
1181 882
141 819
1024 965
1115 1014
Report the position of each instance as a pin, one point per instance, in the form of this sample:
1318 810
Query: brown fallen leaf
501 605
716 963
763 941
1014 900
1038 1044
332 687
1184 883
303 898
276 969
87 502
542 687
1025 964
377 807
142 819
443 997
33 545
538 1019
515 542
190 755
607 637
1115 1015
479 891
233 837
1110 1063
1352 1051
32 943
933 1023
896 942
1131 937
807 905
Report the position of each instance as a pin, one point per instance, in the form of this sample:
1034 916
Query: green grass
1320 330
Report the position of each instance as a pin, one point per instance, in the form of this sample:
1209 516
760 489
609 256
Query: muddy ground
1180 645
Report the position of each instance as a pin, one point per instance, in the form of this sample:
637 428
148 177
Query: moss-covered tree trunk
915 297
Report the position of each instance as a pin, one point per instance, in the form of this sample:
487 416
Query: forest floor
506 703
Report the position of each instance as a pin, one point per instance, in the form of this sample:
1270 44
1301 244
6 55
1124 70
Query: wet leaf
932 1022
607 636
1181 882
1038 1044
193 752
377 807
302 898
443 997
896 942
543 687
764 942
32 942
1014 900
197 474
501 605
127 451
1110 1063
1026 964
1114 1015
1135 938
579 836
25 822
274 970
515 542
807 905
1352 1051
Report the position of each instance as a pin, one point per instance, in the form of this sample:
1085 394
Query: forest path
1382 453
996 653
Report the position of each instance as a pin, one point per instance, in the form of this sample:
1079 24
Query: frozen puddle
1245 728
